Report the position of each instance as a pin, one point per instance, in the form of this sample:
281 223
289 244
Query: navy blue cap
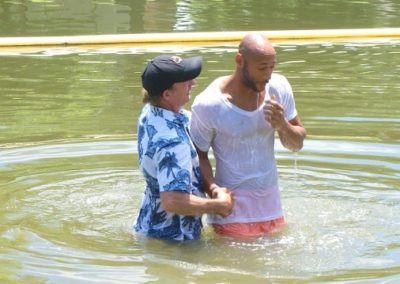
163 71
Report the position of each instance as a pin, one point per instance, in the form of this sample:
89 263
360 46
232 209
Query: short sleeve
174 168
200 129
286 97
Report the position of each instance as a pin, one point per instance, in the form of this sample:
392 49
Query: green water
59 17
70 187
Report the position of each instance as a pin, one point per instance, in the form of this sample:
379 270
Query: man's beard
248 81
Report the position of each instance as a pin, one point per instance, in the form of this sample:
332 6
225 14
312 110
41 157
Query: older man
173 199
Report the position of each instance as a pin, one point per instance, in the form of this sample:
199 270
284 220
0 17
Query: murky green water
69 181
66 17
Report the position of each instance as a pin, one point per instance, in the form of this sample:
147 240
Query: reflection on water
73 17
67 215
70 184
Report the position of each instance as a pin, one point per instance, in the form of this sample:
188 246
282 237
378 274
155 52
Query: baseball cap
163 71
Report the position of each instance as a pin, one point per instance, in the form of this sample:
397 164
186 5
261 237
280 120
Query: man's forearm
207 172
188 204
292 136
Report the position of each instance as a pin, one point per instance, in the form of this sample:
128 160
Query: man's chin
260 88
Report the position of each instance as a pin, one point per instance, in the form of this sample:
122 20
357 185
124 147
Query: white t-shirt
243 146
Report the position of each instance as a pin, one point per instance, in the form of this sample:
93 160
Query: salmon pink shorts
249 230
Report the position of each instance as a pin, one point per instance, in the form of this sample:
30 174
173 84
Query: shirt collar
179 118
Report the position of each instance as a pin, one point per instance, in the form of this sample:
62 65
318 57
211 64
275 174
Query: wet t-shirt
243 146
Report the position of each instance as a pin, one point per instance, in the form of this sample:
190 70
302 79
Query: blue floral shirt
169 162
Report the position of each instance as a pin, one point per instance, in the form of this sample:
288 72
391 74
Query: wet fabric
249 230
243 146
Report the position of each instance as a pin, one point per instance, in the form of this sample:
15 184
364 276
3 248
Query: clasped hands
227 200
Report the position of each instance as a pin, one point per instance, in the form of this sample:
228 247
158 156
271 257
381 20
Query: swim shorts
249 230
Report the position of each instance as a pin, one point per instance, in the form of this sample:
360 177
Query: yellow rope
201 37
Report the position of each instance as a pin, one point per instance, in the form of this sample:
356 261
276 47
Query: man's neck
241 95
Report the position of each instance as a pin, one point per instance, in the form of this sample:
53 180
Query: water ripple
29 154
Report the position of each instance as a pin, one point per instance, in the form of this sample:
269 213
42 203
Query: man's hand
291 133
227 200
274 114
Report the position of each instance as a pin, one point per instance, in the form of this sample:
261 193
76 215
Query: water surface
69 178
71 187
73 17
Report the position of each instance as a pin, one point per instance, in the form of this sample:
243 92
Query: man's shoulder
278 79
210 95
279 83
213 89
160 127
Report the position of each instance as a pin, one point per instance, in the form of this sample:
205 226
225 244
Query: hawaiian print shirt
169 162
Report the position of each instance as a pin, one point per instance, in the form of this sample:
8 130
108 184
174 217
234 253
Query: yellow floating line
201 37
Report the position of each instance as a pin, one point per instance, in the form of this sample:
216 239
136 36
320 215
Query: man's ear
166 95
239 58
